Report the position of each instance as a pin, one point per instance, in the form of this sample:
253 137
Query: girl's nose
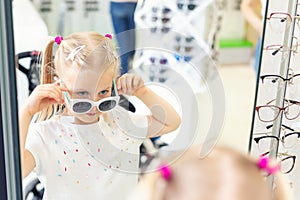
94 109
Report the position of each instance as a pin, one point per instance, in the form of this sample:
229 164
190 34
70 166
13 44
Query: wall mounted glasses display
276 116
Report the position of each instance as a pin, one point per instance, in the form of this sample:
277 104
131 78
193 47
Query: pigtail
47 77
47 70
280 189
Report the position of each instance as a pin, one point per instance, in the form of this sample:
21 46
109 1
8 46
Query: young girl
224 174
88 148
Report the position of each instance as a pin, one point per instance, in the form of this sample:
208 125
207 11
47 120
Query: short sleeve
35 144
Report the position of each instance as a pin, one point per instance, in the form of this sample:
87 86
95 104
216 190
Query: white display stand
163 31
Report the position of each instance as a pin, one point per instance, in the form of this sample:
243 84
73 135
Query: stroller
33 189
33 72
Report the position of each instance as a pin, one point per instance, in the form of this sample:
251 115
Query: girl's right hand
43 96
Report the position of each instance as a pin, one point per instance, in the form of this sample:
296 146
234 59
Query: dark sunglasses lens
107 105
189 39
187 58
82 107
154 18
165 20
166 10
154 9
163 61
188 49
153 29
191 6
152 60
180 5
165 29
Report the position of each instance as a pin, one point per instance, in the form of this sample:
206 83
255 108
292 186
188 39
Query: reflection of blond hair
224 174
82 50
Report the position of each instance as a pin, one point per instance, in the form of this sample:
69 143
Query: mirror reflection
107 87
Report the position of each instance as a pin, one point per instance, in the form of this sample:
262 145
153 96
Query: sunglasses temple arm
271 125
115 88
66 94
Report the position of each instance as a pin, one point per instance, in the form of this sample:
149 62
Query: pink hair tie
166 172
58 39
108 35
264 163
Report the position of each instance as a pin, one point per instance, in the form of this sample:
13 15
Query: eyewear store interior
195 54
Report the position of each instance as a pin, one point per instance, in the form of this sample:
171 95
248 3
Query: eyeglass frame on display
288 156
186 48
164 20
165 10
164 29
290 79
284 126
187 39
284 48
162 61
282 139
180 6
257 108
283 13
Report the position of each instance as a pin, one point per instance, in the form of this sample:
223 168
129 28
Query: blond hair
224 174
79 50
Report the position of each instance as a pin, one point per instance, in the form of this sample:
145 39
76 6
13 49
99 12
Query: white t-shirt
95 161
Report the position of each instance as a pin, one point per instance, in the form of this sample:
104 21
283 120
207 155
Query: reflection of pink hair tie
166 172
108 35
264 163
58 39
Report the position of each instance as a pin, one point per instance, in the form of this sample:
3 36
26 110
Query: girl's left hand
129 84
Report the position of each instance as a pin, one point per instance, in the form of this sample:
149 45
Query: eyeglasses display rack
175 43
64 17
182 31
275 128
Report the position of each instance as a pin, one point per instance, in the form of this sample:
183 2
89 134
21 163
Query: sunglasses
187 39
165 10
163 19
163 29
189 6
83 106
185 58
162 61
186 49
